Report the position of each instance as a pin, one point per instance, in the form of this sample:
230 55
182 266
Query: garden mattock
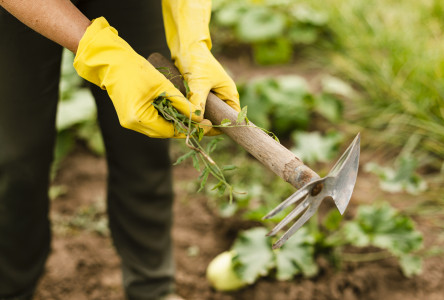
312 190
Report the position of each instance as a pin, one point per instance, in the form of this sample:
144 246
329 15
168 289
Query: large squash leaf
297 256
254 257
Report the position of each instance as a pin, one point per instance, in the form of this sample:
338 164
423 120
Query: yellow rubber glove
188 37
132 83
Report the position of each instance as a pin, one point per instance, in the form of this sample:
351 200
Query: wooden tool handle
264 148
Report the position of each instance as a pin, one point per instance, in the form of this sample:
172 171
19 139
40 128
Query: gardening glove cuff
188 37
132 83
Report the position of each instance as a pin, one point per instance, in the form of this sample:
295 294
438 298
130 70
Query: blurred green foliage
393 52
384 227
273 28
286 103
312 147
403 177
76 114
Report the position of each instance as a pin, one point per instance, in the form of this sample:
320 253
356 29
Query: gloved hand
132 83
188 37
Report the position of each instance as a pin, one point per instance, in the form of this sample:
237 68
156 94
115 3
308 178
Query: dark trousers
139 181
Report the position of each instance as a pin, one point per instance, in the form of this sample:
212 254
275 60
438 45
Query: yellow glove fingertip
230 97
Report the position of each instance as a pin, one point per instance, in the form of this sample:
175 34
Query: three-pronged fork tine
299 195
337 185
293 214
298 224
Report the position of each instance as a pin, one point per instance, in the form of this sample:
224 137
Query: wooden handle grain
264 148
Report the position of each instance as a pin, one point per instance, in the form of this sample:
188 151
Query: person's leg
29 72
139 184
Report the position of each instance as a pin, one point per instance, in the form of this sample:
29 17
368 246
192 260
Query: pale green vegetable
221 275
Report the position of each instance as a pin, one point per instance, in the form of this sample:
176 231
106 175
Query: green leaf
275 51
227 209
187 91
382 226
289 93
70 81
64 144
242 116
90 132
410 265
333 220
184 157
307 15
260 24
230 15
335 86
203 177
200 134
293 85
229 167
329 106
312 147
225 122
297 256
211 146
305 35
356 235
254 257
402 177
196 164
220 187
289 97
79 108
258 104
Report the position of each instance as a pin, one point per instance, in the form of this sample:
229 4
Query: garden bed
84 265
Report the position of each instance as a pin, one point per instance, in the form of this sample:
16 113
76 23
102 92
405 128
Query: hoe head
337 185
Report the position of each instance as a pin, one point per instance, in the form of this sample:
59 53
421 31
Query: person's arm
105 59
58 20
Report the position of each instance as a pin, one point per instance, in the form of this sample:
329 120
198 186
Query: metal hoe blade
337 185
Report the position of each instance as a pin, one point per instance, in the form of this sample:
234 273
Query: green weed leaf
203 179
79 108
307 15
401 178
225 122
303 34
242 116
312 147
297 256
382 226
410 265
333 220
329 107
187 91
90 132
276 51
335 86
229 15
254 257
260 24
229 167
184 157
211 146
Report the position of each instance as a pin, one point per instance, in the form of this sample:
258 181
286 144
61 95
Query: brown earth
83 264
